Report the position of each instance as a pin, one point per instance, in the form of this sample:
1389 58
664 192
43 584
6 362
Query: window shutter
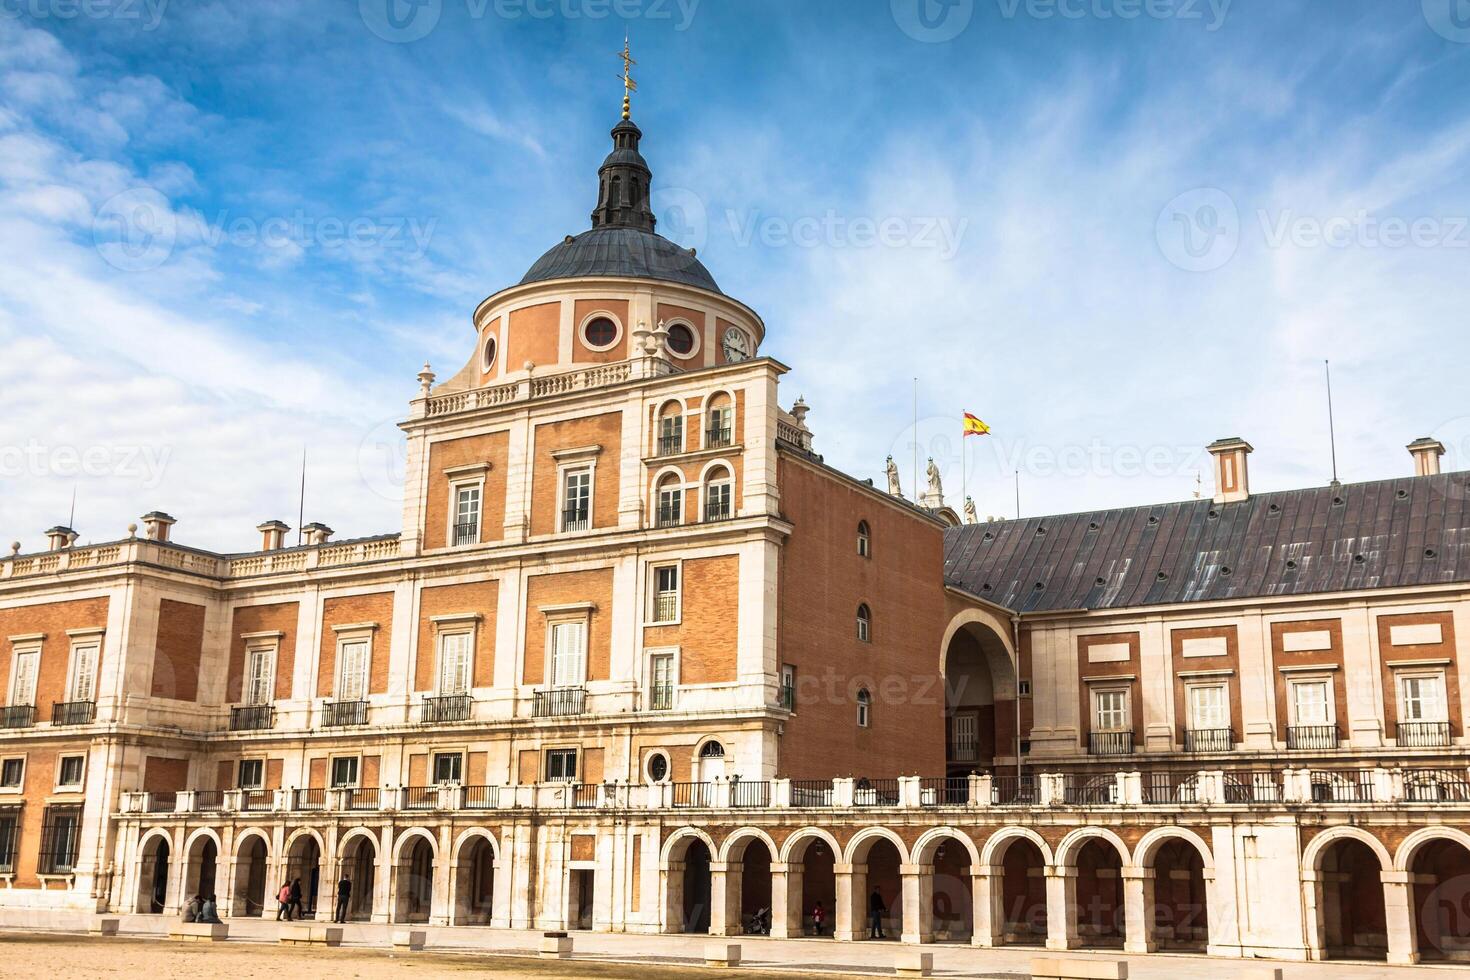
25 679
569 655
454 664
84 681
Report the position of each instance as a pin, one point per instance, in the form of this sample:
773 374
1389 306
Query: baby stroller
758 924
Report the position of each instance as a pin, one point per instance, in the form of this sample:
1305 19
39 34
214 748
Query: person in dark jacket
876 911
344 893
296 912
210 912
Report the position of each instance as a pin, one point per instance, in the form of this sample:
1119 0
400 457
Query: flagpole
1331 423
916 440
1018 495
964 475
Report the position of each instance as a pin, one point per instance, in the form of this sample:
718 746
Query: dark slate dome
622 253
622 243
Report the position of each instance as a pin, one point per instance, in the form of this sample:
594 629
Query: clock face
736 344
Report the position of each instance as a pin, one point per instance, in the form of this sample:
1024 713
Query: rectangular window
59 833
9 837
454 663
84 672
666 594
12 773
1311 704
1209 708
788 687
661 676
467 514
671 505
719 501
576 512
864 710
352 674
344 772
448 767
561 766
964 736
73 769
568 654
1424 698
252 774
260 671
23 678
1110 711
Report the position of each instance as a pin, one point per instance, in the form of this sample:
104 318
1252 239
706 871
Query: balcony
561 702
718 510
666 607
163 802
450 707
1209 740
788 697
1423 734
361 798
73 712
1110 743
661 697
669 517
344 714
576 519
1311 737
466 534
257 800
18 716
309 799
252 717
670 445
719 438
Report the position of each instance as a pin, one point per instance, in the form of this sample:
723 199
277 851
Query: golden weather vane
629 86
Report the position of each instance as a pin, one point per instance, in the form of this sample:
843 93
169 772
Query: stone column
847 917
1061 898
441 895
719 898
918 903
1138 907
384 887
986 889
1312 893
1400 918
785 920
672 874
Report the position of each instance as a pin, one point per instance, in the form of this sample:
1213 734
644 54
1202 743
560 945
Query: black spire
622 198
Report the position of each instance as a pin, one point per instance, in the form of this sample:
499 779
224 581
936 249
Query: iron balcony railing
252 717
1014 791
875 792
661 697
344 714
750 794
1209 739
670 445
1342 786
1423 734
1110 743
1255 786
420 797
73 712
665 607
1311 737
446 708
1436 786
163 802
585 796
788 697
256 799
692 795
206 800
811 793
481 797
1164 786
669 516
718 510
361 798
1090 790
560 702
718 437
18 716
966 749
466 534
576 519
944 791
309 799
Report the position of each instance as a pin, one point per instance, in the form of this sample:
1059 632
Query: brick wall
595 430
347 611
534 335
582 309
594 586
452 600
53 619
277 618
450 453
178 650
708 632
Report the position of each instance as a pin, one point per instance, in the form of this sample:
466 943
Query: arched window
864 624
865 540
712 750
671 429
719 423
864 708
719 497
670 502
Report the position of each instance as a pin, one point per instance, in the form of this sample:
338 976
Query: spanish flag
975 427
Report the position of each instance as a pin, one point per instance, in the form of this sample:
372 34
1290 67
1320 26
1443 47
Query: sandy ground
62 957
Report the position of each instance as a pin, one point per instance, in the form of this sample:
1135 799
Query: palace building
639 660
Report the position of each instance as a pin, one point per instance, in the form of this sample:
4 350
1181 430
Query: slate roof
1386 534
622 253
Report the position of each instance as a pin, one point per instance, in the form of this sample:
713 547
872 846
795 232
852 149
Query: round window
658 767
489 353
681 339
600 332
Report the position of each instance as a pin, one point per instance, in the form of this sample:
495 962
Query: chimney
272 535
1426 453
1232 478
317 533
156 525
60 538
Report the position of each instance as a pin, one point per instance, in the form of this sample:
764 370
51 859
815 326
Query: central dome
621 253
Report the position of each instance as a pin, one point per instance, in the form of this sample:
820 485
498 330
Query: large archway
1439 870
748 895
414 885
877 859
200 868
810 907
949 906
979 697
1179 913
687 882
153 868
1098 909
360 867
304 864
474 892
1351 902
250 877
1021 918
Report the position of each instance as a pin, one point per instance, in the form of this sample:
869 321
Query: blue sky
1115 229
